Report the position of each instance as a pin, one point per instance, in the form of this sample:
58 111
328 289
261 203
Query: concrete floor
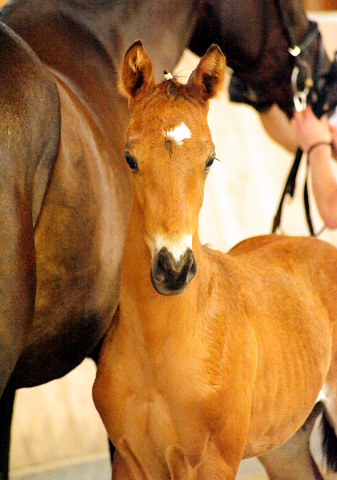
94 469
99 469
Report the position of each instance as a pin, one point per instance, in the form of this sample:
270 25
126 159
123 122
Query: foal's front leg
212 466
216 467
126 465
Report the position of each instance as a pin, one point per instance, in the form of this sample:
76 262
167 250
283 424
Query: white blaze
177 246
179 134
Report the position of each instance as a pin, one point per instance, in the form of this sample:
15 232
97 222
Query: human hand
310 130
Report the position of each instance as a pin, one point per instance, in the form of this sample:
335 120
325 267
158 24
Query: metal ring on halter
300 97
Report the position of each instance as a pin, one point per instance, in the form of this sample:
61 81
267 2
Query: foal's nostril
170 277
160 269
192 266
161 265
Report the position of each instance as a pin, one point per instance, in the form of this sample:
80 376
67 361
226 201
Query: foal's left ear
207 79
137 71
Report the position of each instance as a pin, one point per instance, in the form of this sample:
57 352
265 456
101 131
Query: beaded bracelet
317 144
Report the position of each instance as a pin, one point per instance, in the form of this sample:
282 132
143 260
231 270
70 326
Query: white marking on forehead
177 246
179 134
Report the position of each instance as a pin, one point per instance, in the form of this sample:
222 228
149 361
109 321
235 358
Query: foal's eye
131 162
209 163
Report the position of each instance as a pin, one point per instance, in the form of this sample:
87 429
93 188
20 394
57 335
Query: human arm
312 131
278 126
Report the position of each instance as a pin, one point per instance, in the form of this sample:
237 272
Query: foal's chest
162 394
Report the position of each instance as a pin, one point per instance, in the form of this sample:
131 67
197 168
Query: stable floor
99 469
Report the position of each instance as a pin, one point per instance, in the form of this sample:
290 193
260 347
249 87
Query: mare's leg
293 459
6 412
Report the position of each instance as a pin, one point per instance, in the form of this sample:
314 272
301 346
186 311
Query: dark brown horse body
64 193
79 231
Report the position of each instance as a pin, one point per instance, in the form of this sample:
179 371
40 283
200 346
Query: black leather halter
302 81
319 89
320 92
300 93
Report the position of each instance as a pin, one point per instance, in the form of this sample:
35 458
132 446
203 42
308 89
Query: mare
215 357
65 195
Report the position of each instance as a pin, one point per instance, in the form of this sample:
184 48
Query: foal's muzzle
171 277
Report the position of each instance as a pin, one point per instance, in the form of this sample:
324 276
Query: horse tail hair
329 442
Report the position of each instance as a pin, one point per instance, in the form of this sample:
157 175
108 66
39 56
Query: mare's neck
84 41
110 26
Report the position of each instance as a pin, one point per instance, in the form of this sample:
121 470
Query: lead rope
307 206
289 189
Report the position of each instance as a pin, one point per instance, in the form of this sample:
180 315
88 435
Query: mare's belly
71 318
78 279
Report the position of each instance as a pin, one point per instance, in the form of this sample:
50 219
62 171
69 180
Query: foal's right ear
137 71
207 79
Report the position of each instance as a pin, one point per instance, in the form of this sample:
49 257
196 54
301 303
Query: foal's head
169 151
